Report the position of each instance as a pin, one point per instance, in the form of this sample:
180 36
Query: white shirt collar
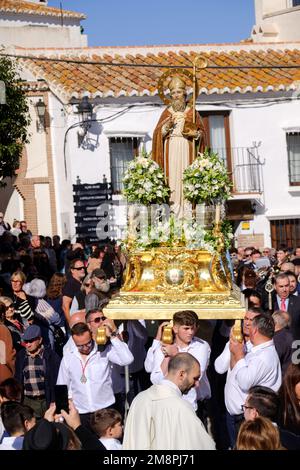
266 344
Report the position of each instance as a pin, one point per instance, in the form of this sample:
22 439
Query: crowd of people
206 390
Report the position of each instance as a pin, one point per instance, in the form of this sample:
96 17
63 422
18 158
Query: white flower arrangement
206 180
144 182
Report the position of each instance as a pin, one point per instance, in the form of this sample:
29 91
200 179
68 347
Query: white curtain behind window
293 143
217 136
122 151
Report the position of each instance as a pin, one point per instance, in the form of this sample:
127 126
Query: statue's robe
174 152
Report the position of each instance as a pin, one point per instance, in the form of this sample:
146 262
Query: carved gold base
176 270
138 306
164 280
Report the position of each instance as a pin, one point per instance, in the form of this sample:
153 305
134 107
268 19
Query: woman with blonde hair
258 434
24 304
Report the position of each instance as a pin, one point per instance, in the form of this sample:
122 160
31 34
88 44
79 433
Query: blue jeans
233 423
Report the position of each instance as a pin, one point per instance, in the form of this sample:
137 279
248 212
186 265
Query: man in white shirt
184 329
261 365
233 394
87 371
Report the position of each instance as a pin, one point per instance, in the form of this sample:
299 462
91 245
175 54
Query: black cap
45 435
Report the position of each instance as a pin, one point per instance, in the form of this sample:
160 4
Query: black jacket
293 309
283 340
51 362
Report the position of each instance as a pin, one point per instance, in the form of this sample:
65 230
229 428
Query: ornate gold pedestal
163 280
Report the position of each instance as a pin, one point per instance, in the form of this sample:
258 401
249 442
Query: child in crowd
107 424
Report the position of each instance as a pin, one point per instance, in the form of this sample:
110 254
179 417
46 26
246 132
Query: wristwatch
114 334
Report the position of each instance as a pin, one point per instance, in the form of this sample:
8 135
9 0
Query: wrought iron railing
245 168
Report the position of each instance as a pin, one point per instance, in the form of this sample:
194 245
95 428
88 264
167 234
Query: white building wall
59 124
287 24
268 124
42 31
270 6
42 197
44 36
276 21
91 165
15 208
36 150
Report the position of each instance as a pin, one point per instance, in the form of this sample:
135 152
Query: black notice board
87 199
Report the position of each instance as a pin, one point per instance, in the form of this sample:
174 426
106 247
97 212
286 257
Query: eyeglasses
245 407
30 340
97 320
9 306
15 280
86 345
79 268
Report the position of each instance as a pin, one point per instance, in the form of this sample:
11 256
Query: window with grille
293 149
122 151
285 232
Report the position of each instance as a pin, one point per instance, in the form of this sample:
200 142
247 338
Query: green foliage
14 120
226 230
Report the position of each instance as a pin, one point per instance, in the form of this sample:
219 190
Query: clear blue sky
150 22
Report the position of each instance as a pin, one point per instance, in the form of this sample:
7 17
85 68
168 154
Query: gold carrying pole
101 337
167 335
237 327
237 331
201 63
194 103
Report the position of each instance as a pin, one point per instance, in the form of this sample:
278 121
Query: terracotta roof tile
74 78
20 6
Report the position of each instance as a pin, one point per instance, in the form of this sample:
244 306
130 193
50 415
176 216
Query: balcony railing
244 167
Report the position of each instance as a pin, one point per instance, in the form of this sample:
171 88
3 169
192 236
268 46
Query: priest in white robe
159 419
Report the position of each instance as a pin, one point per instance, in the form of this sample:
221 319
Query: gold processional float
162 280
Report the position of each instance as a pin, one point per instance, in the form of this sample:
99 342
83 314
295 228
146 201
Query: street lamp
41 112
85 112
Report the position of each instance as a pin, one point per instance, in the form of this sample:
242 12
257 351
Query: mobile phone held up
61 398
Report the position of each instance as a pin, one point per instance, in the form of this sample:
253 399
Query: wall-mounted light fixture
85 112
41 113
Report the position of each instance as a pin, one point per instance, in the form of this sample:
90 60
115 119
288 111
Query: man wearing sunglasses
73 284
87 371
